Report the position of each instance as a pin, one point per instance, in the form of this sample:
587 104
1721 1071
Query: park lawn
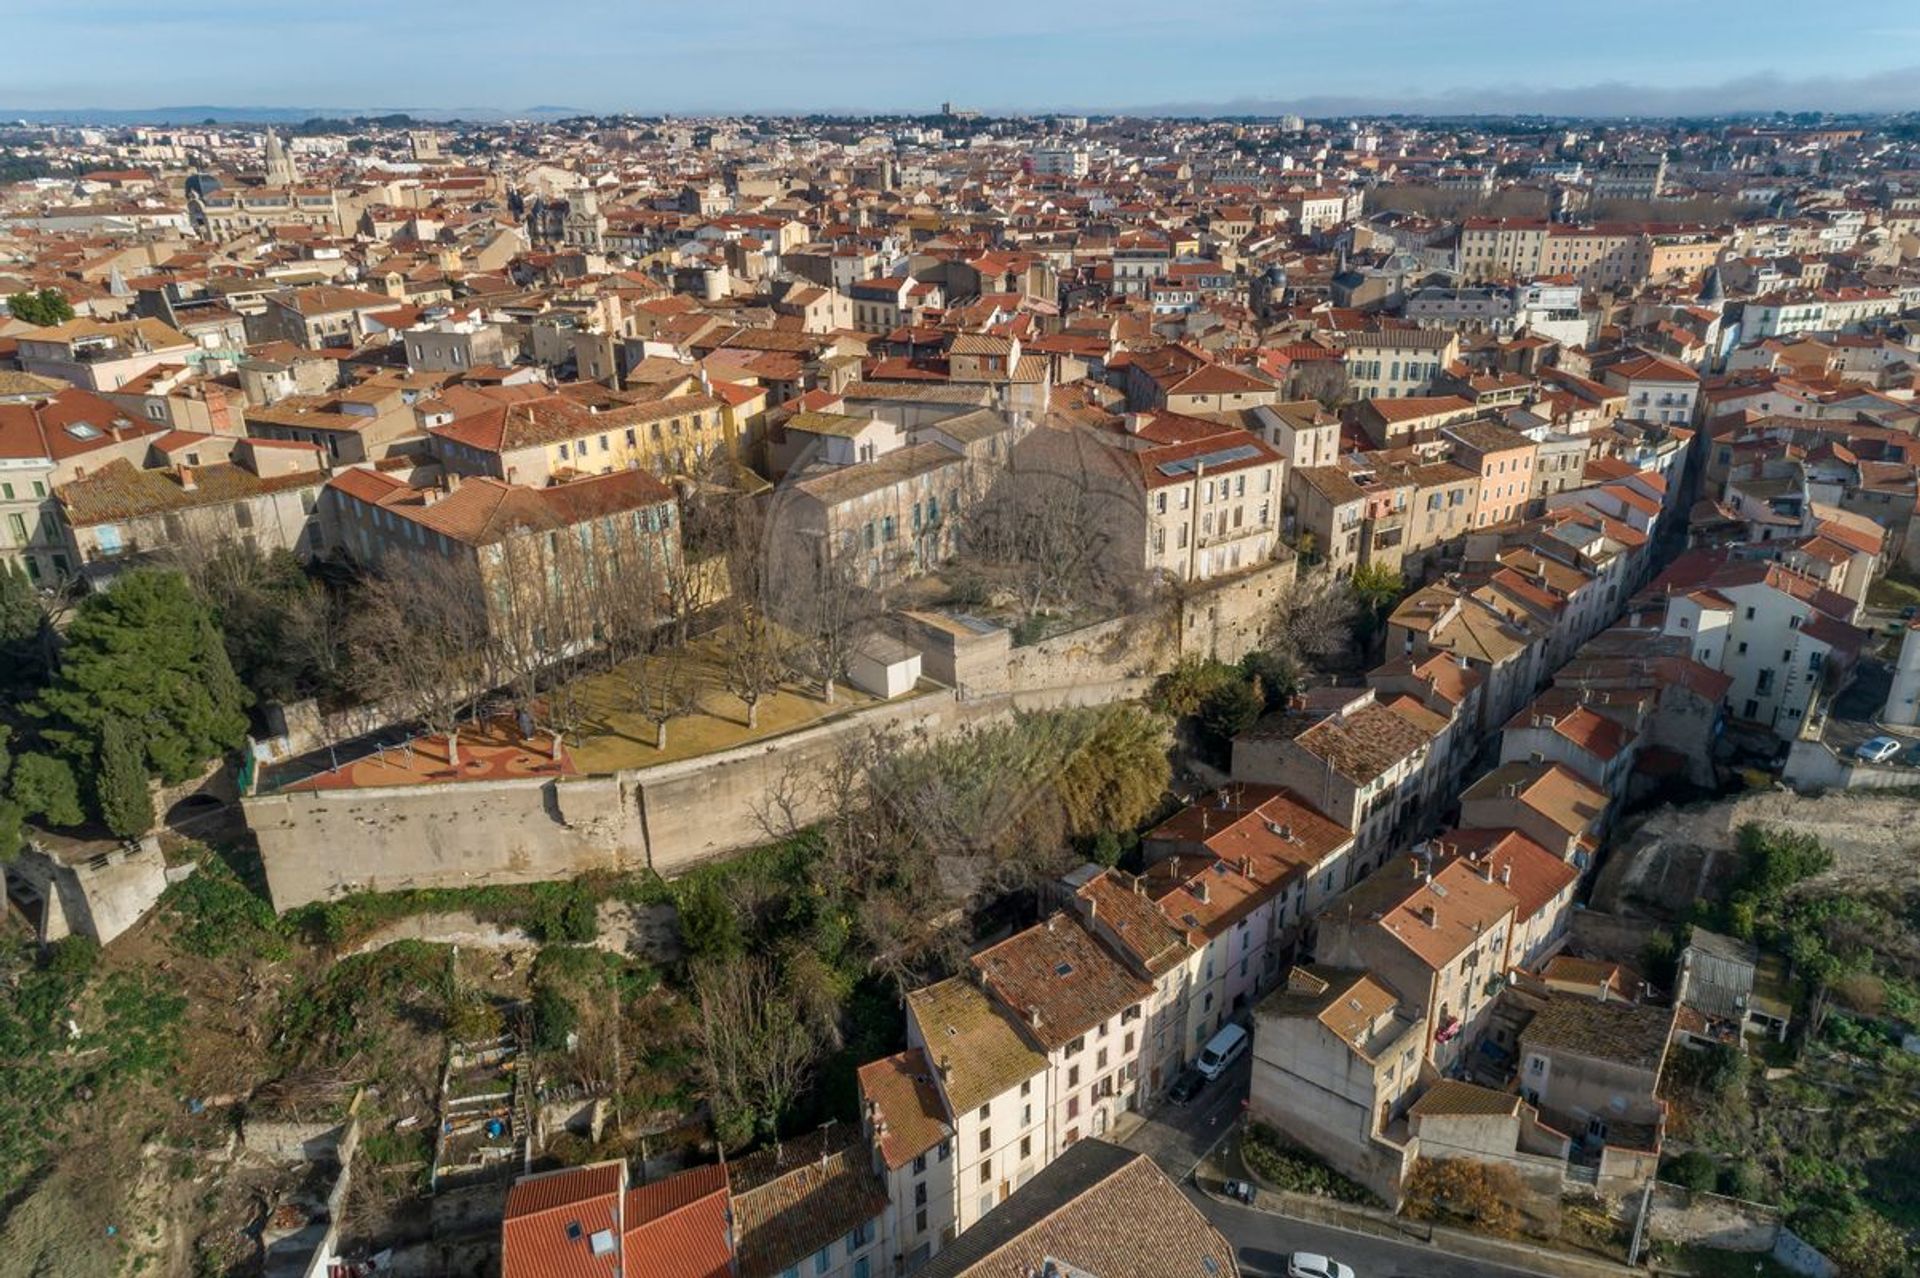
613 737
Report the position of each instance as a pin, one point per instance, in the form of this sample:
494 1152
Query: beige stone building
264 497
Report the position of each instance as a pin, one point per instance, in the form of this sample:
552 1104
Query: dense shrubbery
215 914
1217 701
1289 1167
1467 1192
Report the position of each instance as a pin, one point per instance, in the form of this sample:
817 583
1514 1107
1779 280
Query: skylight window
602 1242
83 430
1064 969
574 1231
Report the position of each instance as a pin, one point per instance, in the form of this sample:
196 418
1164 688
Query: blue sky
642 55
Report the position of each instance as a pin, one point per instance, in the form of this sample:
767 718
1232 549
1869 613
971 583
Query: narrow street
1263 1240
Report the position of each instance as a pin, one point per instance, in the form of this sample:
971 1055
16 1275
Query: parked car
1877 750
1221 1051
1238 1190
1186 1087
1912 757
1309 1264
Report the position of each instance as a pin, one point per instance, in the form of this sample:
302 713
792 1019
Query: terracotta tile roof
1400 900
550 1222
119 490
1267 824
975 1040
680 1227
1593 733
1350 1002
913 1119
1551 789
1132 921
849 483
1632 1034
328 300
1532 874
1097 1209
1417 406
69 424
1450 1097
1364 744
1059 980
794 1198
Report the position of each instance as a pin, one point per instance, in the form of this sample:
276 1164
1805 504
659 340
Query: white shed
883 666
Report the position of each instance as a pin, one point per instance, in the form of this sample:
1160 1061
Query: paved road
1178 1136
1263 1241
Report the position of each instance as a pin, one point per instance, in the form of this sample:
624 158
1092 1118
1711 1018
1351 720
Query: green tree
1117 775
1694 1169
1378 588
709 925
146 652
125 803
1871 1246
1227 712
46 307
23 629
554 1018
43 786
10 814
1279 680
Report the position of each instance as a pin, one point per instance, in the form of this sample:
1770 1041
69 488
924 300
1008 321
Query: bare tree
1312 619
1062 522
721 538
420 635
660 688
759 1047
753 658
819 595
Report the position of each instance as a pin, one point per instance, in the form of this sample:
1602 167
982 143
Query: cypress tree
125 803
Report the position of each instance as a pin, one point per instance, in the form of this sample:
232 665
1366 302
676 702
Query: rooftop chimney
188 481
1428 917
1506 874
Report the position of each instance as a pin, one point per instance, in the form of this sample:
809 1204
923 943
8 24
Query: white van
1221 1051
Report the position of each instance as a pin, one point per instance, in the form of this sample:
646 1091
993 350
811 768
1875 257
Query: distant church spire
1712 291
280 170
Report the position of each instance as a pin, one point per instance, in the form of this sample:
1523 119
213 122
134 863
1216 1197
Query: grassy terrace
615 736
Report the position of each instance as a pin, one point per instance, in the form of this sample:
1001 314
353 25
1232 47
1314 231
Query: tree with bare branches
420 639
660 687
1312 619
759 1046
819 596
753 658
1062 523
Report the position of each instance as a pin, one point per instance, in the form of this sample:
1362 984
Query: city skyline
1242 57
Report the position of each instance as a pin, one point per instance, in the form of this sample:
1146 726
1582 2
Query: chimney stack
188 481
1506 874
1428 917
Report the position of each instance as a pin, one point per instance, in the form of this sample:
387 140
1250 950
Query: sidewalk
1223 1163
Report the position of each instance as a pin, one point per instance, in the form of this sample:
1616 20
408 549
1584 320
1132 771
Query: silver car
1311 1264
